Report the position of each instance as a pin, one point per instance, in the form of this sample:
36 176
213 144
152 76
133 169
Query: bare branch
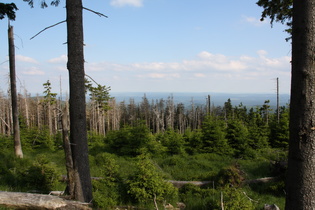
98 13
91 79
48 28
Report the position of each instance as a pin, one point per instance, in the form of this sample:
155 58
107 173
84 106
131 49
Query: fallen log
39 201
262 180
179 184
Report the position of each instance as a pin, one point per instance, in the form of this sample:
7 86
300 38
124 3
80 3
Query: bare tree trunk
300 193
68 153
38 112
78 132
15 112
50 125
26 108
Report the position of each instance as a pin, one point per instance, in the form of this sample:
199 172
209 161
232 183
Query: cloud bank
204 72
122 3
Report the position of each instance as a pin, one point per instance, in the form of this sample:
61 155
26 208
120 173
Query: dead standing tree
15 113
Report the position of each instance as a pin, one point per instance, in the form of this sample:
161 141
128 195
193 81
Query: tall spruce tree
300 183
300 186
78 131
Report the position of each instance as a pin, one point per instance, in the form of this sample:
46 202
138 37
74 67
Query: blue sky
153 46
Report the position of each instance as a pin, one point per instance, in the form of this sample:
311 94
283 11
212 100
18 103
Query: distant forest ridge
216 99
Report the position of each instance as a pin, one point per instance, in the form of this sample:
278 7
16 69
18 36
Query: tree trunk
78 133
300 192
15 112
26 108
68 153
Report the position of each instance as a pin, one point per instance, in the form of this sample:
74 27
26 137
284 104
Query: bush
235 199
34 138
106 191
147 184
40 176
230 176
196 198
173 141
130 141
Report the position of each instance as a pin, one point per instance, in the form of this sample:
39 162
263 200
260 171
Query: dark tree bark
15 112
78 133
300 186
68 154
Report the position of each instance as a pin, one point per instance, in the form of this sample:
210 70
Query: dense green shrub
235 199
130 141
34 138
6 141
230 176
193 141
196 198
106 190
147 184
26 174
214 137
279 130
173 141
42 175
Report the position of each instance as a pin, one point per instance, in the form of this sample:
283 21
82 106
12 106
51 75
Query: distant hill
217 99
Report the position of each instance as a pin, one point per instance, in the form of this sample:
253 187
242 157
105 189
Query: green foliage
173 141
279 131
235 199
26 174
193 141
6 141
35 138
196 198
49 97
196 167
96 143
231 176
130 141
214 136
43 3
279 11
147 183
106 191
99 94
7 10
41 175
238 137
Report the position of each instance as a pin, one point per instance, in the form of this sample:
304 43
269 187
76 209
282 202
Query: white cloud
25 59
200 75
61 59
206 71
33 71
253 21
204 64
160 76
121 3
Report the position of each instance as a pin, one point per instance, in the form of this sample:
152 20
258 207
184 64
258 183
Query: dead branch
48 28
98 13
4 122
249 198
